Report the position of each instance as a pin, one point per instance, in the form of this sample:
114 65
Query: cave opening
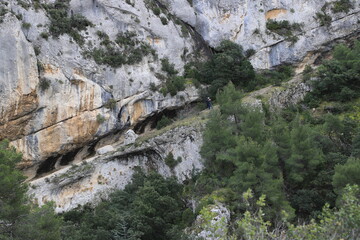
68 157
47 166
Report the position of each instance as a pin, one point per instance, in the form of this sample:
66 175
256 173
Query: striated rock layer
93 179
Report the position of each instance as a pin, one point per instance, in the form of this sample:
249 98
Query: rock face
279 97
212 222
93 179
244 22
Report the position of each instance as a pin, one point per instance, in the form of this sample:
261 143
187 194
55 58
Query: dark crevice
68 157
47 166
173 114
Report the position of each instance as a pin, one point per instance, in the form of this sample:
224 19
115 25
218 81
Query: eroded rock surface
93 179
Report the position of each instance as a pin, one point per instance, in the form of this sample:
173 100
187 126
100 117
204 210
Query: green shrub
163 122
3 11
44 84
157 11
23 4
37 50
323 18
100 118
171 162
153 87
26 25
338 78
44 35
175 84
61 23
283 28
110 104
164 20
341 6
168 67
249 52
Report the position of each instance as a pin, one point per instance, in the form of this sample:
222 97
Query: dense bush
337 79
61 23
283 27
163 122
148 208
227 64
290 160
341 6
20 220
125 50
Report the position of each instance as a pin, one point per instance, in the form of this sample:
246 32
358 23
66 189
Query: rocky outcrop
244 22
57 100
93 179
212 222
279 97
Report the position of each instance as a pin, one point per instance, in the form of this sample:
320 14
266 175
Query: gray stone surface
93 179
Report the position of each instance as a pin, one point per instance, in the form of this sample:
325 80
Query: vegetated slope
268 168
71 66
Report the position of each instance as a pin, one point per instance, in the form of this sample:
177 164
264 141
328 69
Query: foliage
276 76
61 23
227 64
44 84
339 78
283 28
3 12
323 18
171 162
148 208
17 219
349 173
163 122
100 118
164 20
175 84
339 224
110 104
125 50
40 224
341 6
333 224
168 67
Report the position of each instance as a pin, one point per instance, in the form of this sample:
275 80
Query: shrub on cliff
18 219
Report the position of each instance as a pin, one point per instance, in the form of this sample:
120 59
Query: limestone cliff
76 74
111 168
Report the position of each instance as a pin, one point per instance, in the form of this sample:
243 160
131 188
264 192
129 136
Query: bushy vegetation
283 28
323 18
3 11
341 6
125 50
300 162
163 122
228 64
171 162
337 79
61 23
18 218
149 208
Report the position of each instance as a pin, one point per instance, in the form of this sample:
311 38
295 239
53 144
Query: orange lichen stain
78 71
274 13
154 40
138 111
225 17
48 68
